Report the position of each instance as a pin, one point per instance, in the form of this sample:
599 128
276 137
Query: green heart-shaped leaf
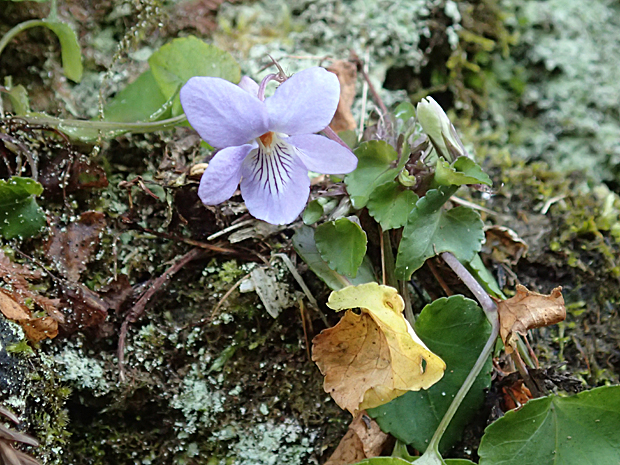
174 63
577 430
20 216
376 165
342 244
463 171
305 246
390 204
431 230
139 101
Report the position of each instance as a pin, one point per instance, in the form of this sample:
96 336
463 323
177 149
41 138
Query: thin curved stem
106 125
490 310
469 381
487 304
10 35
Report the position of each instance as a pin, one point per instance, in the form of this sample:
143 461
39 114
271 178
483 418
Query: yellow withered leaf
374 357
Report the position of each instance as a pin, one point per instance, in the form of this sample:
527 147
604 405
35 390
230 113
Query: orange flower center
266 139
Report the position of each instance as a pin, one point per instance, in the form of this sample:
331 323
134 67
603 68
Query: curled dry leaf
36 329
504 245
364 439
13 303
71 247
528 310
374 357
347 75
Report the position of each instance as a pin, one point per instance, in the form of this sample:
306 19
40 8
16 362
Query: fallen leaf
371 358
36 329
364 439
347 75
515 396
504 245
83 307
18 277
11 309
71 247
528 310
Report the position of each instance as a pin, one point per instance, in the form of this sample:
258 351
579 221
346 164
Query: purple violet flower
267 145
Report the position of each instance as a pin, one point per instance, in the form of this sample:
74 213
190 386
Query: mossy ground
241 389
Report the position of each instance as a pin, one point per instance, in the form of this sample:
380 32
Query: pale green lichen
81 371
199 400
268 443
561 75
300 33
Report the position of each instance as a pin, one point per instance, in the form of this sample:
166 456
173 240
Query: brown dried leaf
14 303
347 75
84 308
37 329
364 439
372 358
11 309
71 247
528 310
504 244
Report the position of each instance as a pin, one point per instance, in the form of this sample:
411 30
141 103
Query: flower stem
329 132
10 35
487 304
469 381
139 127
490 310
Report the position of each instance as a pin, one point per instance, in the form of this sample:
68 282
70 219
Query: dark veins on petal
273 170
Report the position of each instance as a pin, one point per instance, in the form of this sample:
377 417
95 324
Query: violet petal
305 103
222 113
323 155
221 178
275 187
249 85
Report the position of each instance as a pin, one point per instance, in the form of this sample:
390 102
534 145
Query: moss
570 228
199 400
31 388
557 94
82 371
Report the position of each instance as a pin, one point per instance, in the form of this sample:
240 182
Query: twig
201 245
382 248
473 205
140 306
222 300
225 231
302 312
438 277
21 146
364 102
375 96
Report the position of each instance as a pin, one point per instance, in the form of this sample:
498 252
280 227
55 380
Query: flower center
266 139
